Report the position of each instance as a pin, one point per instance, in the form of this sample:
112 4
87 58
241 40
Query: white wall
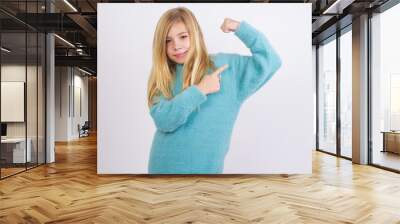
274 130
15 73
12 73
80 83
61 103
67 80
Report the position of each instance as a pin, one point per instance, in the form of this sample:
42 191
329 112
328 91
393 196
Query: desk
391 141
15 148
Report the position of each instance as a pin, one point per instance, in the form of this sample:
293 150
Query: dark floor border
333 154
29 168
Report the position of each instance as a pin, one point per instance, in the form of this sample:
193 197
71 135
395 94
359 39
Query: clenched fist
229 25
211 83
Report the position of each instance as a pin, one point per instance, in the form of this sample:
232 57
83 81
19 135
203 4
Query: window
346 94
385 89
327 97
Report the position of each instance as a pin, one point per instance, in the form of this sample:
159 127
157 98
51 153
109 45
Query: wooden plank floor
70 191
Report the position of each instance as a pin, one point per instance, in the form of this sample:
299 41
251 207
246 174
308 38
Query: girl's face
178 43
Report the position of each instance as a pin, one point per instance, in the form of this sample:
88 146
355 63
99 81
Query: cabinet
13 150
391 142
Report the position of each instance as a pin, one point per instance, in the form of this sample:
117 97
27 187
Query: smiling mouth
181 54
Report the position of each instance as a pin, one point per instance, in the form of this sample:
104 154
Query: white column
50 91
50 100
360 90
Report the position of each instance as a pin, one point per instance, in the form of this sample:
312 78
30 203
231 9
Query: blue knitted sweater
194 130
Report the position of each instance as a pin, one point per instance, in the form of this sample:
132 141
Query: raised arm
252 72
168 115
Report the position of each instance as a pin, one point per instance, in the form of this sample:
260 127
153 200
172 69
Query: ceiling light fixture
5 49
338 6
70 5
84 71
64 40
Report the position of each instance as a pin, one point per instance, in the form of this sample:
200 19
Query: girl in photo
194 98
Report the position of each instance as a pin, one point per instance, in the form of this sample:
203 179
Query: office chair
84 130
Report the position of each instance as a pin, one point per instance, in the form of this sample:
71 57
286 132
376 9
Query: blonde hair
163 69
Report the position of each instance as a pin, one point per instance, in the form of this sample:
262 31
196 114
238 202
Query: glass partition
14 154
32 95
327 97
22 63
